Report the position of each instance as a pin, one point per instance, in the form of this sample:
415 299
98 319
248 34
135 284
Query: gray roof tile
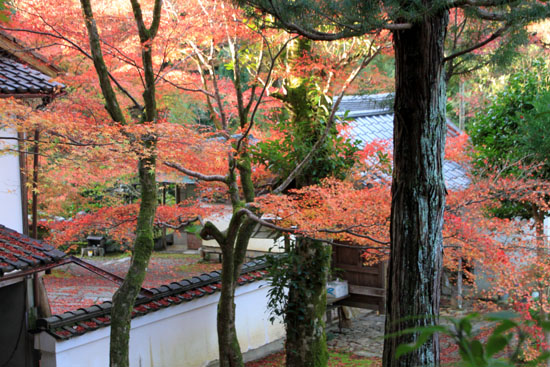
20 252
372 120
17 78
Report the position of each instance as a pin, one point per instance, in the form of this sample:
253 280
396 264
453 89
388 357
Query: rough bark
418 189
305 329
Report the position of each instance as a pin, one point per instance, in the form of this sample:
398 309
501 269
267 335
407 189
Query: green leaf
404 349
495 344
477 352
545 325
465 324
501 315
193 228
504 326
425 333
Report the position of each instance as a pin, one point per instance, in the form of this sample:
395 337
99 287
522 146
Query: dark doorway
16 349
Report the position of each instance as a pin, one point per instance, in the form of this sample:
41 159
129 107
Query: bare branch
179 226
294 230
266 84
74 45
493 37
356 234
197 175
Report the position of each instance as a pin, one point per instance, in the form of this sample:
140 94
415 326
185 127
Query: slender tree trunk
418 189
540 239
459 284
125 296
228 344
306 344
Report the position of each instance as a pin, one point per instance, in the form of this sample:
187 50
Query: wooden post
461 111
23 174
35 185
459 284
178 194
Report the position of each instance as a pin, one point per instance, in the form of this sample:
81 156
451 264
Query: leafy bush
503 347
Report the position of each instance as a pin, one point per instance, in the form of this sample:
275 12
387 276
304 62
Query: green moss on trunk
125 296
305 328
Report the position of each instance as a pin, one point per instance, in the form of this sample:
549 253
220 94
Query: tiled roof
74 323
372 119
19 79
366 105
20 252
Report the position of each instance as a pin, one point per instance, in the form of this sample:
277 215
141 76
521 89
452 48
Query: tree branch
111 102
296 231
211 231
260 97
153 29
494 36
324 36
79 49
197 175
179 226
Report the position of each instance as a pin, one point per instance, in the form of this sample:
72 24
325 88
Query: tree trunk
307 298
228 344
125 296
418 189
540 239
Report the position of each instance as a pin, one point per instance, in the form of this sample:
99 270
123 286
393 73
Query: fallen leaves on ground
336 359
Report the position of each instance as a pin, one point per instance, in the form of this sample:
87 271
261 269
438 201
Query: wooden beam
367 291
12 46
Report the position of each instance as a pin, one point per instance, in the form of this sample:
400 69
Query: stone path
364 338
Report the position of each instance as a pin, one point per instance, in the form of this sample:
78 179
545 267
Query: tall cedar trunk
125 296
418 189
306 344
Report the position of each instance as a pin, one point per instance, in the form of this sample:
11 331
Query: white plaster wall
547 230
11 213
180 335
254 244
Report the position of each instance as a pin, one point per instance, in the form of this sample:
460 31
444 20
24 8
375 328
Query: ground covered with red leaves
336 359
71 287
